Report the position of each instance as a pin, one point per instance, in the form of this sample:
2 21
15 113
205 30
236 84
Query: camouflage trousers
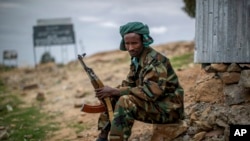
127 109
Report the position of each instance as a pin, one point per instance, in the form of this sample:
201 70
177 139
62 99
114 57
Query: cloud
9 5
109 24
89 19
98 21
158 30
149 8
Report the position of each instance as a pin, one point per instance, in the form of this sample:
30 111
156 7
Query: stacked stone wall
235 80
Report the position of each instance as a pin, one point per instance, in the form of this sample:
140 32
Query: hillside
65 88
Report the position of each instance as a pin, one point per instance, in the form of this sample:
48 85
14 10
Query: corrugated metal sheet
222 31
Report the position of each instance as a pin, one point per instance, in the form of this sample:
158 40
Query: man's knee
125 101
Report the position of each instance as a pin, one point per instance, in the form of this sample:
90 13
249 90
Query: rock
209 69
203 125
221 123
192 130
80 95
78 104
199 136
40 96
230 77
168 132
30 86
29 136
210 90
9 108
211 118
234 68
219 67
234 94
239 114
215 132
206 112
185 138
245 78
135 140
79 135
4 135
193 118
245 66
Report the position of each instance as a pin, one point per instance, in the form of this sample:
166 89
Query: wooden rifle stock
96 83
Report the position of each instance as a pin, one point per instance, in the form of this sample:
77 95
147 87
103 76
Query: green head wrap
136 27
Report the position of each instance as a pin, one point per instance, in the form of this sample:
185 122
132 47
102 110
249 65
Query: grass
4 68
27 124
24 124
182 60
79 127
21 124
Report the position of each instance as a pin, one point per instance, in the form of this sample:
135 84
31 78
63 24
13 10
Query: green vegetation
4 68
21 124
182 61
79 127
189 7
47 57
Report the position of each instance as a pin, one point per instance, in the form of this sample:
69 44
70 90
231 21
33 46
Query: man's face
133 44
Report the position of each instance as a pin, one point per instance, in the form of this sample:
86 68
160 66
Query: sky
96 25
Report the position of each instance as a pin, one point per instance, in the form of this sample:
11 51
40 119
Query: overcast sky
96 24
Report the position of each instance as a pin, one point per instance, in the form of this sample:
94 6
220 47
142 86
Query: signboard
9 54
55 31
46 35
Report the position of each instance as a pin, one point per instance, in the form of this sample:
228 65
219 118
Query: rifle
96 83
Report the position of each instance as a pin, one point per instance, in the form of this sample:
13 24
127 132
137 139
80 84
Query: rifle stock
96 83
93 108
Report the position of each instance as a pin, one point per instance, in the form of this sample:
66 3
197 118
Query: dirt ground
66 88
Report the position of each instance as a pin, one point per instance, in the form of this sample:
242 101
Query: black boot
103 136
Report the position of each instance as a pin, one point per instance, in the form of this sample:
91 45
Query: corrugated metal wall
222 31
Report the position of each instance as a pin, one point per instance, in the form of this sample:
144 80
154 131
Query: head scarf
136 27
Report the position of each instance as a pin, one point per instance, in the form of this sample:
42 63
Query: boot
103 136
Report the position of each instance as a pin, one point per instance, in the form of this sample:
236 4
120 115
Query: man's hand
106 91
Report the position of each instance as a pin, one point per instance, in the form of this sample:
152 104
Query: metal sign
55 31
9 54
46 35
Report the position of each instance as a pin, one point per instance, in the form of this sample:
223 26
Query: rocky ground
66 88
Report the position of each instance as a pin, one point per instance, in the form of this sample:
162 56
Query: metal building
222 31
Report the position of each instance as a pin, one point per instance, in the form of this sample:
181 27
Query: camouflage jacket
154 81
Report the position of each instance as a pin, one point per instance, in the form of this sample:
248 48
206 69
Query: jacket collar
142 57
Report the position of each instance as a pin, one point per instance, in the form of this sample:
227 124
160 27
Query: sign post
50 32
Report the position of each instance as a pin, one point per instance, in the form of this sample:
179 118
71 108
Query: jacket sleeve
154 82
154 78
125 87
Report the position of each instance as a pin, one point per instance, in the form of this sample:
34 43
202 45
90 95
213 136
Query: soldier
151 92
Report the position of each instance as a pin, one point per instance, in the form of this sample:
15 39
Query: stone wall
234 81
222 98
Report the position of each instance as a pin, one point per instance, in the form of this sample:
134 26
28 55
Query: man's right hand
106 91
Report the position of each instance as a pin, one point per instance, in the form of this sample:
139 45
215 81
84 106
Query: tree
189 7
46 57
